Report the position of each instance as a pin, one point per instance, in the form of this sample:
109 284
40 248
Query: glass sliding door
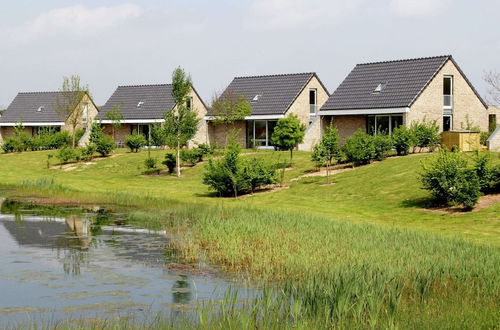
383 124
259 133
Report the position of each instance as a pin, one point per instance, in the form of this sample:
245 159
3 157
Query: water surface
92 265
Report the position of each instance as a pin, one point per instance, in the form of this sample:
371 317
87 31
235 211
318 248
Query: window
40 109
312 101
379 88
140 103
447 123
383 123
143 129
85 114
256 97
448 92
259 133
189 103
492 122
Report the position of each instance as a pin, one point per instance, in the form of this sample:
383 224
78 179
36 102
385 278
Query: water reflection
69 260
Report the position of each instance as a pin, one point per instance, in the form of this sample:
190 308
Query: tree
69 103
181 123
331 148
492 78
228 108
289 132
116 117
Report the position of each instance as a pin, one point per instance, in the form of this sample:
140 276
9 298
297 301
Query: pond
64 263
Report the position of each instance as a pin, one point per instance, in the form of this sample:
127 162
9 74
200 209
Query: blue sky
110 43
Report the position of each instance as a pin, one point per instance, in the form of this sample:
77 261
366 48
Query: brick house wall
346 125
217 133
429 104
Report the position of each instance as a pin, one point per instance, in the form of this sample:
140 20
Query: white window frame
315 102
267 142
451 92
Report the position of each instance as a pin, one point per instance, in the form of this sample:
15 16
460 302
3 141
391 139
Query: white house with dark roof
273 97
37 110
144 105
380 96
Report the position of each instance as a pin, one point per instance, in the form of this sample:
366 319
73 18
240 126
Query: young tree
116 117
69 103
330 144
229 108
181 123
492 78
289 132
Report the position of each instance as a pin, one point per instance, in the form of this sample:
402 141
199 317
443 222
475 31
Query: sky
111 43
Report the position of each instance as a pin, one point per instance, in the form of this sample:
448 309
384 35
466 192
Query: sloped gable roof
276 93
140 101
402 82
34 107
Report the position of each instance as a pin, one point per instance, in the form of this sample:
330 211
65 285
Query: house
379 96
38 110
273 97
143 105
493 141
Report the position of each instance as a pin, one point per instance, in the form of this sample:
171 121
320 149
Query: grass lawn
359 253
386 193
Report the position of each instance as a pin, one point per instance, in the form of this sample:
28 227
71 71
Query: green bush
319 155
135 142
256 173
449 179
223 175
96 132
170 162
65 154
483 137
484 171
425 134
383 145
89 151
104 145
402 140
9 144
151 163
190 156
158 137
204 150
359 148
59 140
495 178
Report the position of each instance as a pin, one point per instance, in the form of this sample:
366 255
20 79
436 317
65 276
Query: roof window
257 97
379 88
140 104
40 109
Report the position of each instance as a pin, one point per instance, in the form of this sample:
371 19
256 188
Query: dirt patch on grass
483 203
73 166
322 172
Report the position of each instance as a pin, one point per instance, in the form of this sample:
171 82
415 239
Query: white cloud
305 14
76 19
418 8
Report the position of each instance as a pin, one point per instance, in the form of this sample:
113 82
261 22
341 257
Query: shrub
150 163
318 155
65 154
33 143
383 145
484 171
89 151
483 137
158 137
402 140
135 142
170 162
9 144
425 134
256 173
96 132
450 181
359 148
495 178
205 150
224 175
190 156
59 140
104 145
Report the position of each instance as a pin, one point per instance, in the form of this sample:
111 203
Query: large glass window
383 123
312 100
141 129
447 124
448 91
259 133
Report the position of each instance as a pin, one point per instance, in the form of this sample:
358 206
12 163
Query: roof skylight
40 109
257 97
140 104
379 88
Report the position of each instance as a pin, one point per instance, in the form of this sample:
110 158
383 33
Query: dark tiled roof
25 107
277 92
403 79
157 99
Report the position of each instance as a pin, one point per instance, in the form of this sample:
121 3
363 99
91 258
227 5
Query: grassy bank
359 253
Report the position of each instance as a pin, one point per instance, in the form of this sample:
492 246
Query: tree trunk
178 160
291 156
74 136
328 171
